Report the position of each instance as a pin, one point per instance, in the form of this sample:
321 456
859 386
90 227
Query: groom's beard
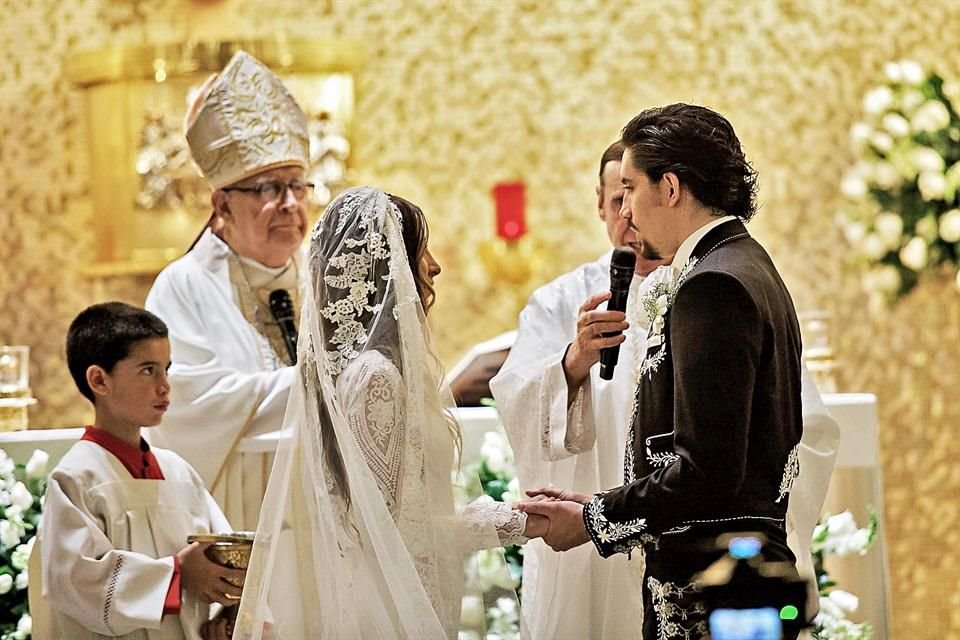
649 252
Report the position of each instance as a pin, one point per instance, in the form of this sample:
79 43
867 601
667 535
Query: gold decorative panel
460 95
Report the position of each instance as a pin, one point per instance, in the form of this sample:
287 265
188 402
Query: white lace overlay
509 522
375 414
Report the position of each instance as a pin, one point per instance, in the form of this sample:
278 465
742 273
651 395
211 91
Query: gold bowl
227 549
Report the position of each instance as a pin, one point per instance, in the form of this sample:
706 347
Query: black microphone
622 265
281 306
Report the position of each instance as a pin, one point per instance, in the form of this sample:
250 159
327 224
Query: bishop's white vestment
223 387
108 541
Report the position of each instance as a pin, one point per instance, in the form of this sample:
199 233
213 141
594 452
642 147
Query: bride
359 535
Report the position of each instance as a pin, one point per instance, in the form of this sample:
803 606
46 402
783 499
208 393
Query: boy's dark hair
700 146
103 334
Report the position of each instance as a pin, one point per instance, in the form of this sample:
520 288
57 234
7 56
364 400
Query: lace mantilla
356 277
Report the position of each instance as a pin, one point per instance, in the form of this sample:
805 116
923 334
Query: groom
713 445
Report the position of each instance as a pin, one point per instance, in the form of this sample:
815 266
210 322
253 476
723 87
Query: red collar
139 461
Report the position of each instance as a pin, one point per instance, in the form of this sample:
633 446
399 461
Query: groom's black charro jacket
713 444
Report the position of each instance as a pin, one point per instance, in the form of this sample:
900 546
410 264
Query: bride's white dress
360 535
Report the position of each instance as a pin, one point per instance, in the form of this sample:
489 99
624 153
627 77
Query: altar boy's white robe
107 545
223 389
578 594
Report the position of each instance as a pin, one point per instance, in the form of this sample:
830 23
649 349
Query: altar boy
118 512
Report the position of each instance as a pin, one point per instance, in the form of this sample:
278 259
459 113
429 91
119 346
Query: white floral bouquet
903 211
21 498
498 481
839 535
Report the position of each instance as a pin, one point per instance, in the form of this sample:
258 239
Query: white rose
931 116
9 535
6 583
859 542
841 524
22 581
859 134
877 100
881 141
950 226
911 100
886 176
853 186
913 255
873 247
889 226
896 125
854 232
37 464
5 499
21 496
886 278
846 601
932 185
926 228
912 72
25 625
927 159
893 72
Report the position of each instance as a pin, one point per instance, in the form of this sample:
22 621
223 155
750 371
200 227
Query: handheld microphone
622 266
281 306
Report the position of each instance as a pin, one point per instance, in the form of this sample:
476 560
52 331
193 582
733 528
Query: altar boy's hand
566 529
206 578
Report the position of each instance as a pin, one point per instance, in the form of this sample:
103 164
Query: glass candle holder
818 352
15 395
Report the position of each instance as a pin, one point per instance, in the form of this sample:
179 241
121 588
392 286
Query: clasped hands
556 516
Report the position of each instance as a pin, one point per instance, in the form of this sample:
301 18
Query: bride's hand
537 526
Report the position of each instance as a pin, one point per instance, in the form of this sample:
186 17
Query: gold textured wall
460 95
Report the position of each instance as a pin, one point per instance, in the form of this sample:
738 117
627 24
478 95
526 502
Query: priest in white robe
572 434
232 338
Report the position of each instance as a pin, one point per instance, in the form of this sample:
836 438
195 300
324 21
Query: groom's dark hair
700 147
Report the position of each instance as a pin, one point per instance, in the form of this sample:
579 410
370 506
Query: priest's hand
206 578
592 324
558 494
566 529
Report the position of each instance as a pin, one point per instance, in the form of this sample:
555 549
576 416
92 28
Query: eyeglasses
272 190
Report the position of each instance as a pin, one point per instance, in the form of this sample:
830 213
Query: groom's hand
558 494
566 529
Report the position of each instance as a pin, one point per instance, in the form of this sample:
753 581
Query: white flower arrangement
839 535
21 499
903 212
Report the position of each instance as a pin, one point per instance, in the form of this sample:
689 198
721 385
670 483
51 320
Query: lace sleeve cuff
485 515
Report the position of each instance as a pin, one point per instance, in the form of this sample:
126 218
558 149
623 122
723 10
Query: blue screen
745 624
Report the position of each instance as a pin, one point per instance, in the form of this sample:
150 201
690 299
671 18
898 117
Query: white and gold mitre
244 121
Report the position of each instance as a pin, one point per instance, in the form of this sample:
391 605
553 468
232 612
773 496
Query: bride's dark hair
416 234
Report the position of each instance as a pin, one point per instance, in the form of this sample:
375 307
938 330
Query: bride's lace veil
358 534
